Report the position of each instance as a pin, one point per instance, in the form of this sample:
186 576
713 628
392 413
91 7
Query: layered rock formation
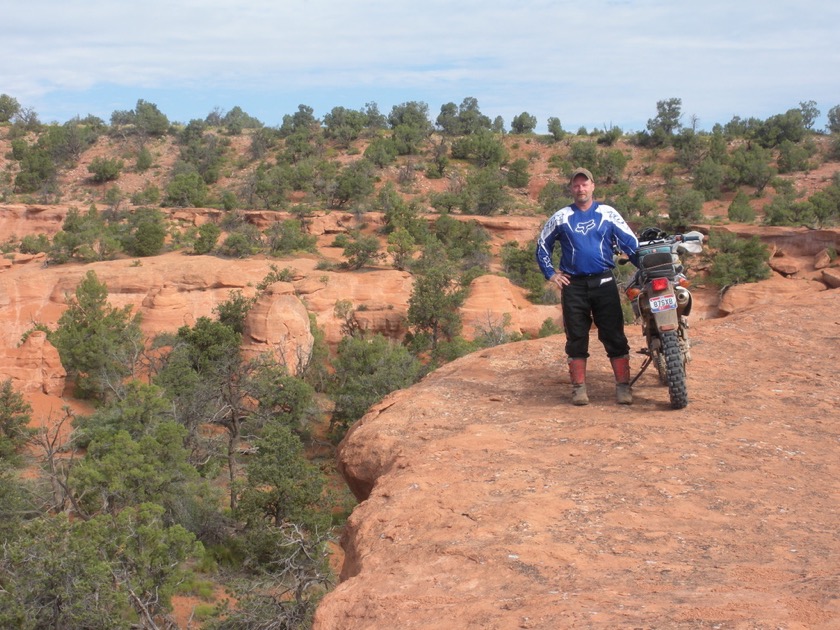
34 366
489 502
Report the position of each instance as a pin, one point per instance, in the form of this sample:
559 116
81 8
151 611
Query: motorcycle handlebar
678 238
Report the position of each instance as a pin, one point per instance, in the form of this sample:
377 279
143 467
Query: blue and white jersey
585 239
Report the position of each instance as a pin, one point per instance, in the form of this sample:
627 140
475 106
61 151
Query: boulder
776 290
492 298
822 259
378 297
333 223
278 323
34 366
831 277
784 265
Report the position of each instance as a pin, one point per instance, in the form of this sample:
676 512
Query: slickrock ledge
490 502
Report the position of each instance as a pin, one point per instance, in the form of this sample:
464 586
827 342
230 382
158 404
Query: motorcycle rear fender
666 320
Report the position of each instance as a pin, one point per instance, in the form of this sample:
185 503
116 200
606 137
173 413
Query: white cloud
587 63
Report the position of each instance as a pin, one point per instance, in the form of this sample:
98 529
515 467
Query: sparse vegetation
736 260
153 451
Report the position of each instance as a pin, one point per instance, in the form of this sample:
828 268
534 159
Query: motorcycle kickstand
648 360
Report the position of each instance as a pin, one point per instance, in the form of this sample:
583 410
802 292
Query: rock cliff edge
490 502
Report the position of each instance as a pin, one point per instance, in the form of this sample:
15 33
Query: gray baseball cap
581 171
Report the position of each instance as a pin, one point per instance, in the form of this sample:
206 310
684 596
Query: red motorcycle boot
577 374
621 369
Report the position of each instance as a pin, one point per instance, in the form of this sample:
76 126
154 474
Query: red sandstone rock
175 289
784 265
488 501
822 259
776 290
493 297
380 298
34 366
831 277
278 324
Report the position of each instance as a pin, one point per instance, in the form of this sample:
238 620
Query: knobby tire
661 367
675 368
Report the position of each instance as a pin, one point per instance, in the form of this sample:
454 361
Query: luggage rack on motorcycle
657 261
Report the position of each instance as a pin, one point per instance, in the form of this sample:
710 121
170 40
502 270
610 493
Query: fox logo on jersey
583 228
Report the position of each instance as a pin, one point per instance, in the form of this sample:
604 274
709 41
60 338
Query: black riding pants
593 299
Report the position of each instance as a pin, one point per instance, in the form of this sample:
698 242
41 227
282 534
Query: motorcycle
661 301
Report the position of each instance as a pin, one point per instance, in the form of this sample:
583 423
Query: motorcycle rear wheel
675 369
661 367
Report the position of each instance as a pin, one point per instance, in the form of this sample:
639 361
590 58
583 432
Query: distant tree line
296 160
462 144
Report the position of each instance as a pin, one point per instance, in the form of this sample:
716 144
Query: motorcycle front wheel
674 368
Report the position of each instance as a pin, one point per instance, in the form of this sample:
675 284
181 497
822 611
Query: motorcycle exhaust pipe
682 295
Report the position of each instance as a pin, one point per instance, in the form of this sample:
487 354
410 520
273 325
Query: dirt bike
661 301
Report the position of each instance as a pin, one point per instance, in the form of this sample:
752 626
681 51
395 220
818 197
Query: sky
594 64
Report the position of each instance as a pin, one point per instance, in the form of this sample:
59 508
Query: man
586 231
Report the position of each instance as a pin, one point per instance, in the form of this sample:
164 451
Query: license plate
663 303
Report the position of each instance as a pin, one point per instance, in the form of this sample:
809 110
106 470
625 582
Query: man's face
582 188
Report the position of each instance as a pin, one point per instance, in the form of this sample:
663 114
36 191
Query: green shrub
834 147
208 235
792 157
737 260
241 243
9 108
366 370
554 196
523 123
631 205
785 210
517 176
147 233
14 420
740 209
610 165
381 151
584 154
549 327
826 203
229 200
186 190
144 160
233 311
32 244
610 136
287 237
751 166
466 242
286 274
149 195
361 250
485 193
37 167
446 201
520 267
105 169
708 178
685 207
